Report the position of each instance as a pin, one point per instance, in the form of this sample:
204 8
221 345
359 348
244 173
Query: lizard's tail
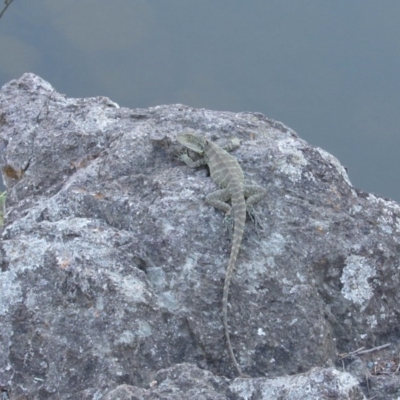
239 210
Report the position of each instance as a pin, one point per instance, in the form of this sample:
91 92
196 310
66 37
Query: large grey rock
112 265
185 381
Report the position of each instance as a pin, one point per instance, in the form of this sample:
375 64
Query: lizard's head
192 141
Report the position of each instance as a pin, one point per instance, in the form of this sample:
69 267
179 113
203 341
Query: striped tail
239 210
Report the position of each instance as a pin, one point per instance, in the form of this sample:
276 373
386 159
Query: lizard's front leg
232 145
189 162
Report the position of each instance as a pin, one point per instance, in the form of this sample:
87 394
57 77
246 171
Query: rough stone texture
185 381
112 265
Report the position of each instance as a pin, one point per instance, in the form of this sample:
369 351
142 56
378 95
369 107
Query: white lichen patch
292 161
35 248
129 337
10 291
372 322
189 267
132 288
275 245
384 202
310 176
390 211
261 332
356 287
270 248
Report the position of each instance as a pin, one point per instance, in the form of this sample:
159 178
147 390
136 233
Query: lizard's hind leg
218 199
253 194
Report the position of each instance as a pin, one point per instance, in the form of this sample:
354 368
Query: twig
6 4
362 351
397 369
374 349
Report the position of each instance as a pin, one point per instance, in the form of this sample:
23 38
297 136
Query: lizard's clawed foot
182 156
255 219
228 223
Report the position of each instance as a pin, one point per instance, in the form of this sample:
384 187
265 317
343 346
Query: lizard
226 172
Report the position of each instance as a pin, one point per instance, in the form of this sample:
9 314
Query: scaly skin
226 172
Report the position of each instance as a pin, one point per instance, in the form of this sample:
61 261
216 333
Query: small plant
2 207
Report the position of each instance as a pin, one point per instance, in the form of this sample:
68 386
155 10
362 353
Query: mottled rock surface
112 265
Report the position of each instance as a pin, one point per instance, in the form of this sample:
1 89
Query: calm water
329 70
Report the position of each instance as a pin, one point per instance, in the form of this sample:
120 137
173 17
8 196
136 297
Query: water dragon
226 172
